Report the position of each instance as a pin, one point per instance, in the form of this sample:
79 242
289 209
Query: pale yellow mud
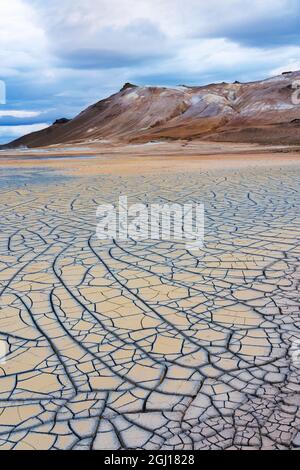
148 345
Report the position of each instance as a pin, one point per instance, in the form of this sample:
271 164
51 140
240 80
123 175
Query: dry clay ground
117 345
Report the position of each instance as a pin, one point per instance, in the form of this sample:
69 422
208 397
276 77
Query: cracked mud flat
117 345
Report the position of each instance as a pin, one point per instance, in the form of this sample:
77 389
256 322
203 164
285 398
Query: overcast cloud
59 56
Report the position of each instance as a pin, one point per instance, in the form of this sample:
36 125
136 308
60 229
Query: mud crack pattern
122 345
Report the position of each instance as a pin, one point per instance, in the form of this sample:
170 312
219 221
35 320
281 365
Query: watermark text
296 93
152 222
2 92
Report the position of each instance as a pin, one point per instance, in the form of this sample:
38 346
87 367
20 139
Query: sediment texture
147 345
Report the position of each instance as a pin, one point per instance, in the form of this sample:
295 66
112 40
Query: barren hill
261 112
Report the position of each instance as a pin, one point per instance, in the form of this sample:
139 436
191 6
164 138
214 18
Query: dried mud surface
119 345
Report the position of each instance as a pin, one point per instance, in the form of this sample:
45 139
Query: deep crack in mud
120 345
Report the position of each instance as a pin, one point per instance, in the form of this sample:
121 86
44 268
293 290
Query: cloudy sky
58 56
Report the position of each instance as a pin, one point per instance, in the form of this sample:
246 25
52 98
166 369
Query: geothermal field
109 344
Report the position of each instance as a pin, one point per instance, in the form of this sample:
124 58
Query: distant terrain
258 112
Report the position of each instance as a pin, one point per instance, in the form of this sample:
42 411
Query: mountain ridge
254 112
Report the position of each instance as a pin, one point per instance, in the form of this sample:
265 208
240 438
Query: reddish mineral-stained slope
262 112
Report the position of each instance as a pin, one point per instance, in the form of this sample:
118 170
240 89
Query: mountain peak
128 85
256 112
61 121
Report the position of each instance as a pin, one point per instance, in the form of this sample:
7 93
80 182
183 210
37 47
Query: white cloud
69 53
23 42
194 36
174 17
215 55
53 38
14 132
291 64
18 113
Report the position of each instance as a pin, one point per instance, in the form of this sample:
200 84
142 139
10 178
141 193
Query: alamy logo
2 92
295 353
152 222
296 94
3 352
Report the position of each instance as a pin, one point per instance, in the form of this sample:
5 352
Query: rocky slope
261 112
